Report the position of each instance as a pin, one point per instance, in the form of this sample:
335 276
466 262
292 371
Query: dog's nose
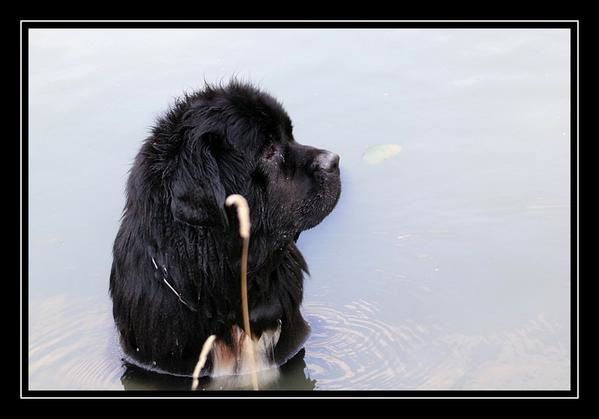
327 161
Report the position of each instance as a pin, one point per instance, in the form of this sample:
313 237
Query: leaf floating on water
381 152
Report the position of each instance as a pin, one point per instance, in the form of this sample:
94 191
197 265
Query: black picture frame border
572 24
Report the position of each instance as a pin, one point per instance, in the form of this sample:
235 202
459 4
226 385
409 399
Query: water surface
446 262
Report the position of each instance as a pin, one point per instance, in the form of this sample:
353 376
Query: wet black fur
212 143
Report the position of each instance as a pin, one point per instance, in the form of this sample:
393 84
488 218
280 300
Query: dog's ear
197 193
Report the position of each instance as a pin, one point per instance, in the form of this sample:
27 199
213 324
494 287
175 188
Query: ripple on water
350 348
73 345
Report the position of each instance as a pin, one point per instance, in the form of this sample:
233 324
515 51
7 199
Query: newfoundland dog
176 257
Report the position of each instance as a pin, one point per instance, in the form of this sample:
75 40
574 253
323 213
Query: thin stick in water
243 214
203 357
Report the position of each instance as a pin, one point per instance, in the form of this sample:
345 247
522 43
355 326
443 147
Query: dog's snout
327 161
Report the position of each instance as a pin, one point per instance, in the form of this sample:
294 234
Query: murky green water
446 262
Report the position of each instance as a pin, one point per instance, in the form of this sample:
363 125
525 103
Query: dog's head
238 139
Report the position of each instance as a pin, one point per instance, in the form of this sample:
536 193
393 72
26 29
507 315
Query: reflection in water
73 345
291 376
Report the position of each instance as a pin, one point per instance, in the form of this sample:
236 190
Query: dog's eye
270 151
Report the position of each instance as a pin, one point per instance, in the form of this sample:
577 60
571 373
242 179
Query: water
446 262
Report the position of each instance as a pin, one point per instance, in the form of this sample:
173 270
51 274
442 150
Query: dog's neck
201 250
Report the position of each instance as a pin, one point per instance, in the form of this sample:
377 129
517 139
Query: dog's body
176 268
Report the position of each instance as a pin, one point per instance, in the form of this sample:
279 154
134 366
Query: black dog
176 268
